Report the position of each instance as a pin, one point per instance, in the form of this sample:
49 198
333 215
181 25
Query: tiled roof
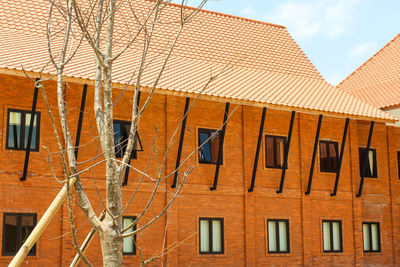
269 67
377 81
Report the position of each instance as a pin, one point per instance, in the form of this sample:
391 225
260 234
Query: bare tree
91 25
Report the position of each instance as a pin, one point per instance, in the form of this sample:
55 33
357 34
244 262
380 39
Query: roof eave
90 82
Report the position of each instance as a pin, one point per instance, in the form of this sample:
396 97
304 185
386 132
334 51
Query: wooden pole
83 248
86 243
39 228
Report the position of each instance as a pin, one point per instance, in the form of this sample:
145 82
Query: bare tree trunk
111 243
111 231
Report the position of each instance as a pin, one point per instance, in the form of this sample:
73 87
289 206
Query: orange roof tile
377 81
269 67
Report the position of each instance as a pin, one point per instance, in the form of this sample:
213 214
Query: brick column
305 150
357 205
249 148
173 114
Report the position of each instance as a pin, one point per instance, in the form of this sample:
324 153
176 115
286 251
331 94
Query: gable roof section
377 81
269 67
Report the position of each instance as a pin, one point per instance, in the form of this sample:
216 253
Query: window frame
210 234
32 252
276 221
22 134
134 237
331 236
135 145
375 174
274 137
210 132
398 163
327 143
370 237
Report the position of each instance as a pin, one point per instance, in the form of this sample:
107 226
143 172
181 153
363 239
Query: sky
336 35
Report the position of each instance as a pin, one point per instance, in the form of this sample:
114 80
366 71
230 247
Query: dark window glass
332 236
371 237
278 236
328 155
18 122
398 162
129 243
371 170
208 153
16 229
121 133
275 151
211 235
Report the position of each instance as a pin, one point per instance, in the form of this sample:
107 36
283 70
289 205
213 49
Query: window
211 235
371 162
129 243
278 236
371 237
16 229
121 133
328 155
274 151
398 162
18 122
332 236
208 153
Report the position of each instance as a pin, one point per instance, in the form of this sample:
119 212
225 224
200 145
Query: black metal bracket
286 153
221 145
125 182
365 159
182 136
260 134
314 155
339 165
81 113
28 145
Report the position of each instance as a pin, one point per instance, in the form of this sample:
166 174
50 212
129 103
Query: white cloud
248 11
364 50
330 18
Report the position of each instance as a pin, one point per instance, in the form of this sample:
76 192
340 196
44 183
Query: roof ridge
230 16
367 61
307 58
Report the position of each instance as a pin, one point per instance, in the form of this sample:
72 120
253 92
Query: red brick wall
244 213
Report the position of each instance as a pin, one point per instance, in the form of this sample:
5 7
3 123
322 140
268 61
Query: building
293 186
377 80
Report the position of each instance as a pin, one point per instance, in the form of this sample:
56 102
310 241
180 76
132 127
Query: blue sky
337 35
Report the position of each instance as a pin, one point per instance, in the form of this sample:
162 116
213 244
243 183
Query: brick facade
245 214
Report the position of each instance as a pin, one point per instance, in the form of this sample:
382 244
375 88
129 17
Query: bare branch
176 194
133 39
72 225
153 147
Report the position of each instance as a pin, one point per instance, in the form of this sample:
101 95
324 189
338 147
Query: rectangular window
121 133
371 170
211 235
16 229
371 237
18 122
274 151
398 162
129 243
278 236
328 155
332 236
208 153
